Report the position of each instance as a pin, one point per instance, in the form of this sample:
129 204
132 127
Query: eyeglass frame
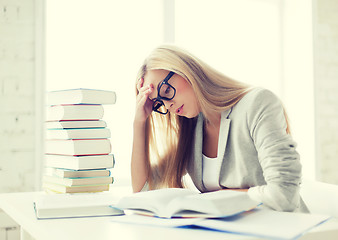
159 98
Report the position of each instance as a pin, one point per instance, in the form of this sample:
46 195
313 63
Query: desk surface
20 207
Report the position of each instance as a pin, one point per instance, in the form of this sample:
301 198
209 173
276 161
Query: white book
267 223
57 188
78 133
74 112
78 147
81 95
77 181
75 124
179 202
75 205
69 173
260 223
80 162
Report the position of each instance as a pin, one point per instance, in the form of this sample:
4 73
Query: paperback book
74 112
78 133
68 173
77 181
80 162
78 147
62 124
81 96
57 188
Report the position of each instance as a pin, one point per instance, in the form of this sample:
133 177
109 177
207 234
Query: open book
260 223
178 202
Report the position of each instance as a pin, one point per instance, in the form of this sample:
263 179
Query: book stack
78 154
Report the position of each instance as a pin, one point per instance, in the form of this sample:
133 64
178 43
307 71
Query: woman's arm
139 171
276 153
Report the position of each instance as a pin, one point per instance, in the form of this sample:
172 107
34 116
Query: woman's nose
168 104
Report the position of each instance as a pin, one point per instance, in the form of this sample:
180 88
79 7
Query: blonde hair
169 138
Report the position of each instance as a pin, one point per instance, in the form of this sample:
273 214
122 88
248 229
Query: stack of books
78 150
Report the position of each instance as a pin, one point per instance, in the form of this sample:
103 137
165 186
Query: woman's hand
143 103
236 189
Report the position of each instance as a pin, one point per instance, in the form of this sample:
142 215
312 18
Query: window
101 44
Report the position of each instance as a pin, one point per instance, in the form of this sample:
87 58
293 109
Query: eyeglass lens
166 91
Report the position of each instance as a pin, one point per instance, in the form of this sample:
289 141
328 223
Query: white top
212 166
211 170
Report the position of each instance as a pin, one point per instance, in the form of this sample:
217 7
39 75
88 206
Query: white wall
326 88
262 43
102 47
17 103
298 80
17 95
17 84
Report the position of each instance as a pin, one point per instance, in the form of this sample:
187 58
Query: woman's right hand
143 104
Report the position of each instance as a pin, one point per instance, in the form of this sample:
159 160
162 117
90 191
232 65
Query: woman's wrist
139 123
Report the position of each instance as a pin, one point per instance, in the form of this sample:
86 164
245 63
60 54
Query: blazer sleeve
276 153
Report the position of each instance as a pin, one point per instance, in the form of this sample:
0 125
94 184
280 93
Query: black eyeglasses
164 92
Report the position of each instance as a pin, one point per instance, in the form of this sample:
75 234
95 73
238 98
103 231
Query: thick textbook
81 96
80 162
68 173
74 205
62 124
74 112
179 202
77 181
78 133
78 147
57 188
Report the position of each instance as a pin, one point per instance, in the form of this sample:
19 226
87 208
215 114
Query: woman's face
184 102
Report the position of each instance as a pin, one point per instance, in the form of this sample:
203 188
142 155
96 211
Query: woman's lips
179 110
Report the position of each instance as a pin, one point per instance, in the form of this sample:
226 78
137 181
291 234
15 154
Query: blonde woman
190 118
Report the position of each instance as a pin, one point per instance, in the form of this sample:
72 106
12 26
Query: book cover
81 96
75 205
77 181
74 112
80 162
78 133
78 146
62 124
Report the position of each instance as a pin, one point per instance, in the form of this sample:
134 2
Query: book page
263 222
155 201
212 204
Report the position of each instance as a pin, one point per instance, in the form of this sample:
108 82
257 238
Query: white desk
19 206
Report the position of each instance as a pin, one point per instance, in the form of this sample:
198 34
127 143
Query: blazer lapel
196 164
224 134
195 170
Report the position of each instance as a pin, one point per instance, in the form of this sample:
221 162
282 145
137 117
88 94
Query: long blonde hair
169 138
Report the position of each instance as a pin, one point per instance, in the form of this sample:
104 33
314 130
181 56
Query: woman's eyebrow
158 86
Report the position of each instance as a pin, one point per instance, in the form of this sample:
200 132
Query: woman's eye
167 90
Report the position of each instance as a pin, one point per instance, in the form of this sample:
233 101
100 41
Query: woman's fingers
139 84
145 91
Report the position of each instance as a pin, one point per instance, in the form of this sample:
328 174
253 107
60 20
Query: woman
192 119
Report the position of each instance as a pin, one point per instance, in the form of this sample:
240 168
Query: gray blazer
258 154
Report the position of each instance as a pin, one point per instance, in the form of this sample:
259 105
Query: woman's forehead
154 77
